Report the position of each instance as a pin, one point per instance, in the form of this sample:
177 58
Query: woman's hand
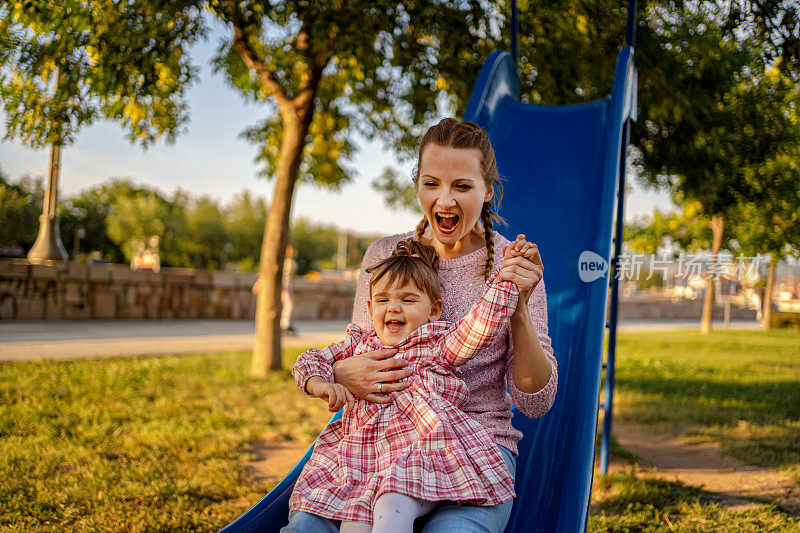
372 375
522 265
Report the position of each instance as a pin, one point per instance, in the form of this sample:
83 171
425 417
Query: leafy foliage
388 64
313 243
245 217
398 193
68 63
317 246
194 231
685 228
89 210
141 215
778 21
769 223
20 207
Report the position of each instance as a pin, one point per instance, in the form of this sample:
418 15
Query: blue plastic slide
561 165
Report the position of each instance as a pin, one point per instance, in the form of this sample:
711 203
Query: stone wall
656 308
77 291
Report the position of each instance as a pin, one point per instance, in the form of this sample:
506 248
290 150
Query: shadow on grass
625 502
626 490
764 402
756 422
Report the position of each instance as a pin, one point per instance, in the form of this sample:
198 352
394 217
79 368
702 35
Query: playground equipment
565 169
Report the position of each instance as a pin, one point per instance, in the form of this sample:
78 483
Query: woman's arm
533 365
532 369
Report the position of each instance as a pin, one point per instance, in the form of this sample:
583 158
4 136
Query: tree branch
310 82
251 60
319 60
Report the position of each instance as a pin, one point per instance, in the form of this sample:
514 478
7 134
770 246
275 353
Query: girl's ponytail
411 261
416 249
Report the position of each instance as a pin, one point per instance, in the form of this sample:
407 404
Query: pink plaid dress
421 444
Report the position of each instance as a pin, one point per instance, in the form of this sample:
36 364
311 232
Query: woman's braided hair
452 133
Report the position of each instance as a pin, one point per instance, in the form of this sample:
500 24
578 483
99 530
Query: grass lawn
738 388
146 444
139 444
625 503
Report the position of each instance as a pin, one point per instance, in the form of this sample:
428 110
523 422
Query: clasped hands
522 265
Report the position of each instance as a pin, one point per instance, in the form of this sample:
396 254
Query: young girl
390 463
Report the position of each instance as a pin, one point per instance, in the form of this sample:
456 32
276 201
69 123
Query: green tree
778 21
769 223
245 217
122 61
206 232
313 243
20 205
89 210
731 117
684 227
398 193
65 64
699 69
327 70
568 52
140 216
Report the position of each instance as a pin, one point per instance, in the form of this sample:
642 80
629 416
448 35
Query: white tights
393 513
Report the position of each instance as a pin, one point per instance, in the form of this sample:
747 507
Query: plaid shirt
421 444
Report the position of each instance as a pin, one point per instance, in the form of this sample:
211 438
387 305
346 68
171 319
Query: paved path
83 339
65 339
703 465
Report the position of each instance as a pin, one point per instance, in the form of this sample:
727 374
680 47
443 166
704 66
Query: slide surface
561 165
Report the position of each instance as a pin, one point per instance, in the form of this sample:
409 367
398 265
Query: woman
456 178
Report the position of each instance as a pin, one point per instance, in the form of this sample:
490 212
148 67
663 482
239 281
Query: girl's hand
361 375
522 265
336 395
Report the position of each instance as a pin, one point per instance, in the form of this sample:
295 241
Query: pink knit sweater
488 374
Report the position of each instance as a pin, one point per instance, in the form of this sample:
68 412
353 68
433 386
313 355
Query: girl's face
398 310
452 192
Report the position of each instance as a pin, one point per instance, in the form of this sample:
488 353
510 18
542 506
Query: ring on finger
380 387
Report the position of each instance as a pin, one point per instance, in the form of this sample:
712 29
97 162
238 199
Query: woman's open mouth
446 222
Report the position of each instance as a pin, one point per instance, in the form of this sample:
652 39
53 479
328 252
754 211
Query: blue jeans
446 518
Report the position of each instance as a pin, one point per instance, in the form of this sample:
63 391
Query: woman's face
451 191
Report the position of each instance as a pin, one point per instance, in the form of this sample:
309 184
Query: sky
210 158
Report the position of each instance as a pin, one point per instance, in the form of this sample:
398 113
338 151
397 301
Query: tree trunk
717 225
766 316
267 347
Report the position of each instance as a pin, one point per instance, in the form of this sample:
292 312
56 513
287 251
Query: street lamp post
48 245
